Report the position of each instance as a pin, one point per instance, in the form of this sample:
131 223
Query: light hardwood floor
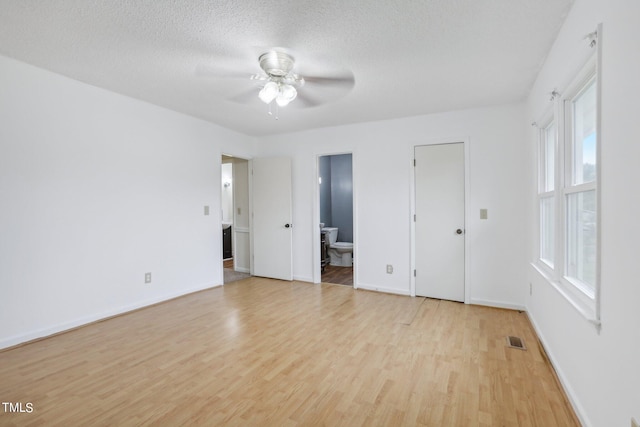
262 352
337 275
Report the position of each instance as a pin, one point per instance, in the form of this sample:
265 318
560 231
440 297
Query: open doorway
234 202
335 178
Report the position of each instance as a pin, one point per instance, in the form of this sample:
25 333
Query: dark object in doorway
226 243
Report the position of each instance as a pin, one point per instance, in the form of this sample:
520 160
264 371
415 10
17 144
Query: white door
272 234
439 228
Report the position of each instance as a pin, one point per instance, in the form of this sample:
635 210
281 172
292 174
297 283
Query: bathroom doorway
234 202
335 180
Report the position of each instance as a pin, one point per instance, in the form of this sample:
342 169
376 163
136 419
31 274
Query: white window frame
581 294
547 121
585 299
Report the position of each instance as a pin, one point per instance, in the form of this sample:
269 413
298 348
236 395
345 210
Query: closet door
272 227
439 228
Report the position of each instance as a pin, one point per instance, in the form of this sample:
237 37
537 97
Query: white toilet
340 253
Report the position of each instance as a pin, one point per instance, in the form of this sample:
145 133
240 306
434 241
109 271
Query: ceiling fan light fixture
269 92
287 94
282 101
277 67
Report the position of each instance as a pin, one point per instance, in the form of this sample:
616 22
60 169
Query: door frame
412 189
315 223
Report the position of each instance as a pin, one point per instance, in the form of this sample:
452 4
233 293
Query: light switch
239 212
483 214
206 210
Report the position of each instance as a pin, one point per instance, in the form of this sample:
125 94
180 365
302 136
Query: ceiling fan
279 82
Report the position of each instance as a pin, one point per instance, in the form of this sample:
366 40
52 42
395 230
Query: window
568 206
580 187
546 193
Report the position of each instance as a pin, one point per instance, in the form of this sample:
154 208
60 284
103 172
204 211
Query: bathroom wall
336 194
324 166
342 196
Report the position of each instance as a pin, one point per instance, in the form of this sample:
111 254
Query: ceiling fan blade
305 100
346 80
245 97
204 70
318 90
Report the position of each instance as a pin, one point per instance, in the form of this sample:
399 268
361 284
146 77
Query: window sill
581 303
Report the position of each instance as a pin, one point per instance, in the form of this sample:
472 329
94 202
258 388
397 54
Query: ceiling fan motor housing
276 64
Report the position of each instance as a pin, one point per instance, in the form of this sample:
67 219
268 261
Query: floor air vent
516 342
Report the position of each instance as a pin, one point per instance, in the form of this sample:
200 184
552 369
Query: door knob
287 225
459 231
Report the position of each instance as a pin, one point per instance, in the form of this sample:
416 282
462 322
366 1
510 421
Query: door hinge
414 217
414 273
414 162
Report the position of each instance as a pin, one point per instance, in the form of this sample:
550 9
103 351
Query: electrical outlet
634 423
147 277
389 269
484 213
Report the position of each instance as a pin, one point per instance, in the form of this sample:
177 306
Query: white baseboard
243 270
303 278
65 326
497 304
382 289
568 390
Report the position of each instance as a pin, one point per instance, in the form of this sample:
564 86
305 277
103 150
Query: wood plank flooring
338 275
263 352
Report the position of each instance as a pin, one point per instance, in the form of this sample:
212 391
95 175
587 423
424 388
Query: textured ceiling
408 57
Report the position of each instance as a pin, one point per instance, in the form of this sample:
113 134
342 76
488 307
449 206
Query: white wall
96 189
600 370
382 156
